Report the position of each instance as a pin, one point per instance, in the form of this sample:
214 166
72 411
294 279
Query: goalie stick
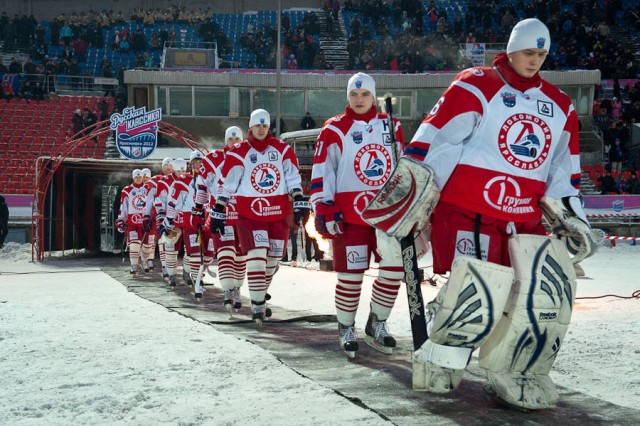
409 259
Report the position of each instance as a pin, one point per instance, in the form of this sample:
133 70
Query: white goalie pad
520 353
407 198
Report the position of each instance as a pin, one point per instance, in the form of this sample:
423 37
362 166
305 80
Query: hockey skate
172 280
228 300
150 265
165 274
235 296
186 277
259 312
134 270
377 335
145 266
347 339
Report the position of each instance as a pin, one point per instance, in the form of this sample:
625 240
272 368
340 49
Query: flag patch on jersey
545 108
509 99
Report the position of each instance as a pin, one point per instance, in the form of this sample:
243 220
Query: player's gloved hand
121 226
218 216
301 207
328 220
147 223
166 226
197 216
568 220
159 219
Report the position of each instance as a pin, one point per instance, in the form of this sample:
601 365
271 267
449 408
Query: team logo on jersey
357 137
509 99
503 193
253 158
372 165
368 128
265 178
136 131
138 201
524 141
540 42
273 156
545 108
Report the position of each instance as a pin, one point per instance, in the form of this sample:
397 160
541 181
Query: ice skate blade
350 354
377 346
198 296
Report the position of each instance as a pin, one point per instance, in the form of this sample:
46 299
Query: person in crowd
307 122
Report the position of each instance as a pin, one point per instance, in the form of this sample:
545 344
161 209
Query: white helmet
196 155
136 173
179 165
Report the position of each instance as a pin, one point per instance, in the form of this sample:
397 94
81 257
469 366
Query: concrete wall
48 9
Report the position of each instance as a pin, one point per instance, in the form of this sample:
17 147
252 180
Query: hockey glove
328 220
166 226
159 219
301 208
121 226
218 216
197 216
147 223
567 220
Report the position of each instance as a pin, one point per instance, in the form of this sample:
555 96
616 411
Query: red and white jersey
354 157
181 200
162 193
261 179
496 150
135 204
209 183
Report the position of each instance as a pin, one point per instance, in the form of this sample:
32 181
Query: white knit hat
232 132
195 155
180 165
529 34
259 116
167 161
361 81
136 173
146 172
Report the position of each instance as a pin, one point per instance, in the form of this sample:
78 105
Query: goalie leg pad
460 319
520 353
406 199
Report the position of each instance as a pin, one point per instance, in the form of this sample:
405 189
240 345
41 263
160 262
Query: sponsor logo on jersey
273 156
547 316
372 165
276 248
362 200
136 132
504 194
260 238
265 178
509 99
253 158
465 245
545 108
357 137
262 207
524 141
357 257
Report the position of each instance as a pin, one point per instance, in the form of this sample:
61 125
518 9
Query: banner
136 132
612 204
475 52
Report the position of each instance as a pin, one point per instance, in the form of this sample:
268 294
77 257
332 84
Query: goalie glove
406 199
569 222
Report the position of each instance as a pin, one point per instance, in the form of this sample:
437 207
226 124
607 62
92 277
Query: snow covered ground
77 348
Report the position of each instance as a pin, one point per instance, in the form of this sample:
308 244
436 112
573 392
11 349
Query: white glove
568 220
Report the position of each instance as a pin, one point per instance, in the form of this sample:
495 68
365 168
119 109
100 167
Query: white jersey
135 204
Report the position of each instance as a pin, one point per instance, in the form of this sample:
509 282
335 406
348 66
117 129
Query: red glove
121 226
147 223
328 220
197 216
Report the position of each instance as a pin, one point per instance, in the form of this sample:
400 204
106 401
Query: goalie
497 151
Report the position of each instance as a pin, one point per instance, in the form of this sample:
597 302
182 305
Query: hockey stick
409 258
196 286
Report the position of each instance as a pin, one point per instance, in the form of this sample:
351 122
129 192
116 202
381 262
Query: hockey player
231 261
262 172
353 159
163 183
148 251
134 218
170 230
499 149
